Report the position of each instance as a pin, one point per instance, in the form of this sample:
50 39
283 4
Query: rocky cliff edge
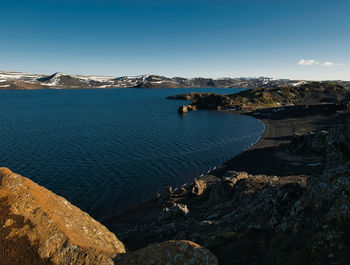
39 227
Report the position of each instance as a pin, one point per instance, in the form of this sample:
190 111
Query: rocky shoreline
283 201
249 215
39 227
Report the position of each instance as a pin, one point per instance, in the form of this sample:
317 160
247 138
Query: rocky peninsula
283 201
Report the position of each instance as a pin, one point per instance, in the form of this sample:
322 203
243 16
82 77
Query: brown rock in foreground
169 252
39 227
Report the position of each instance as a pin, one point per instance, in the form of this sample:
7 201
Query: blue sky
211 38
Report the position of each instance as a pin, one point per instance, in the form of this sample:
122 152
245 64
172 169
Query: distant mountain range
17 80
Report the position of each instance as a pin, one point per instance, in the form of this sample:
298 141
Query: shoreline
270 156
270 143
213 170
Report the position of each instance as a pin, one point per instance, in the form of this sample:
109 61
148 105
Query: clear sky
295 39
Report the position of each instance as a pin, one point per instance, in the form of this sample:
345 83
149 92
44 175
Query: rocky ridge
271 97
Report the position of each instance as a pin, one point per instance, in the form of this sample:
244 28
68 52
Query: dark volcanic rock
262 219
273 97
170 252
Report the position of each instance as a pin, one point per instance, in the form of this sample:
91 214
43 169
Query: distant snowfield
18 75
94 77
6 75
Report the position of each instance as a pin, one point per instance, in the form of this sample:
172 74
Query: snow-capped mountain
17 80
59 80
7 75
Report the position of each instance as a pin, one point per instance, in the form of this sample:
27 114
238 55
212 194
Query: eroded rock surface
42 228
199 187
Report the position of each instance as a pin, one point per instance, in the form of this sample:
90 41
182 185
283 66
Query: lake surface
104 150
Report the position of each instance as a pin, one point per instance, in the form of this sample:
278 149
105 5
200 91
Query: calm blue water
106 149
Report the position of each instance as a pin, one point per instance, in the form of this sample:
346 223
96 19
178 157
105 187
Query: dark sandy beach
271 154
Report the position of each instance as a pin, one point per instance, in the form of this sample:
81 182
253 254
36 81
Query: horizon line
176 76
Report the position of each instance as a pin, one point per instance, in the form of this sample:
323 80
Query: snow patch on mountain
61 80
6 75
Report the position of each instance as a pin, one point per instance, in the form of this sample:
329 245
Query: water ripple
105 150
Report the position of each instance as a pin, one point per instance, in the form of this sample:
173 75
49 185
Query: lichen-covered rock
39 227
169 252
319 219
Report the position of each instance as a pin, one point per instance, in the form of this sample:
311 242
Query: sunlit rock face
42 227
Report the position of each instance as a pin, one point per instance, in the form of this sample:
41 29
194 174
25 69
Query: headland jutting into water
283 201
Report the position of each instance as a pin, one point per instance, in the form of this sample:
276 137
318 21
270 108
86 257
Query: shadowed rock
169 252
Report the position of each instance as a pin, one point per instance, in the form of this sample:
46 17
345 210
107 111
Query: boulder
174 211
183 109
186 108
199 187
191 107
169 252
